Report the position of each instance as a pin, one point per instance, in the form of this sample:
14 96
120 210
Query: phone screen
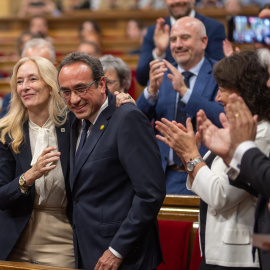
244 29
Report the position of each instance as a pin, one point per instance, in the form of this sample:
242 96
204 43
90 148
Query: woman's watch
192 163
22 183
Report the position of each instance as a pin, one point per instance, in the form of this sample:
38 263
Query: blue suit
5 105
16 207
214 30
118 187
202 97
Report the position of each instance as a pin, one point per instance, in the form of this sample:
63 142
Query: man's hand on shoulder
108 261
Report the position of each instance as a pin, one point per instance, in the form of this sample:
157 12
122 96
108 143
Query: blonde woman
35 209
34 156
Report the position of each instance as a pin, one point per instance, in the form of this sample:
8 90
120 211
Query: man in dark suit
116 177
252 164
168 90
156 41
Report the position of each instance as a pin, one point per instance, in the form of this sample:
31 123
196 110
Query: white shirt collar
191 14
102 108
195 70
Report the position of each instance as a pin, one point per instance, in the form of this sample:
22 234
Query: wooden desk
111 19
7 265
180 208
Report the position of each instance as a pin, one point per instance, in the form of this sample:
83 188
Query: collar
48 124
102 108
191 14
195 70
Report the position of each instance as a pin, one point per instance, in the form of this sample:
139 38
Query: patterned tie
85 127
181 115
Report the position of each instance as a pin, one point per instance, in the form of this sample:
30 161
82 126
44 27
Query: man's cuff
186 97
158 57
116 254
152 99
234 169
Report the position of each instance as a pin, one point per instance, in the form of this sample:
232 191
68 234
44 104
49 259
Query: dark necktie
181 115
85 127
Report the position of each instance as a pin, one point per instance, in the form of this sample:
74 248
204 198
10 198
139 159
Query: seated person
135 31
38 7
117 73
90 47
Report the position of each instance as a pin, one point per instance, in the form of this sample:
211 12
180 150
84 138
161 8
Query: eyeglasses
80 91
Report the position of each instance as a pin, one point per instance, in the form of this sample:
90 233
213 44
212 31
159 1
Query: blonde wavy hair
12 124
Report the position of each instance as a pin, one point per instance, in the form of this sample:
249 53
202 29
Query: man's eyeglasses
79 91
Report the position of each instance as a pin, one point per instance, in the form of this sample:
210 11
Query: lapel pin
101 127
63 129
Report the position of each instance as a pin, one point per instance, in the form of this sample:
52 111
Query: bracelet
195 157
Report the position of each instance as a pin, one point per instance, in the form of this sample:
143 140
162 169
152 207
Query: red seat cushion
174 243
196 258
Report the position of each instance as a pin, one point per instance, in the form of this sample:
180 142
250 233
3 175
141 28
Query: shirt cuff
186 97
24 191
158 57
234 169
116 254
152 99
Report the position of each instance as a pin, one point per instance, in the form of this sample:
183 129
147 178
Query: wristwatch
22 183
192 163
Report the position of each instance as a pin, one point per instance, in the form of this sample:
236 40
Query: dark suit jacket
5 105
202 97
16 207
255 178
214 30
118 187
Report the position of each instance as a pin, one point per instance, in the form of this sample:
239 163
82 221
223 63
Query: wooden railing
6 265
175 207
180 208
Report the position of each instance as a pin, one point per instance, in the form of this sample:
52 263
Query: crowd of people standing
84 172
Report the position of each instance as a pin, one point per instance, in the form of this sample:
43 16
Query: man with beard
156 41
177 91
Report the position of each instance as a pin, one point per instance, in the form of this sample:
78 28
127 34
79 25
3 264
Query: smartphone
246 29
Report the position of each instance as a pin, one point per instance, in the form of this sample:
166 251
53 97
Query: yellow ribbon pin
101 127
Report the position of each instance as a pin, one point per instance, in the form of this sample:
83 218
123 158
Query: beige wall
4 7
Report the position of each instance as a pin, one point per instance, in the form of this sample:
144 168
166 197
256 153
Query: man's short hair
92 62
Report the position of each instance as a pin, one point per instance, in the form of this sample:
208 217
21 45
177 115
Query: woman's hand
182 140
44 164
122 98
